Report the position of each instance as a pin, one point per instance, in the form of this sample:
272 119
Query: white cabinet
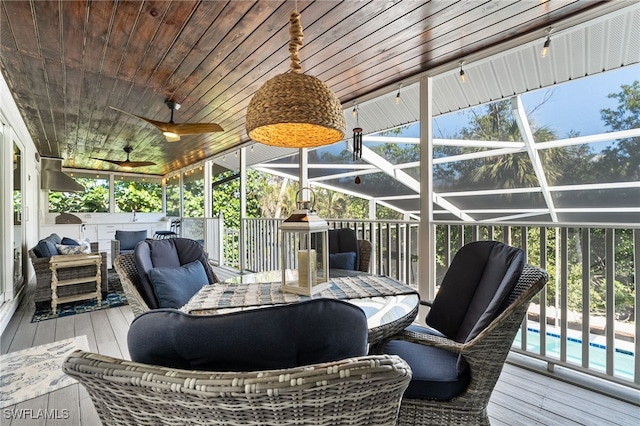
66 230
89 232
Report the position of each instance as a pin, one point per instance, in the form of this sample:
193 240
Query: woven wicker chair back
357 391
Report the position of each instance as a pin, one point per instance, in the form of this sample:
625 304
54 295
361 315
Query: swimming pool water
622 358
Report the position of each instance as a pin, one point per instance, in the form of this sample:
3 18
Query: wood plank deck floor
521 397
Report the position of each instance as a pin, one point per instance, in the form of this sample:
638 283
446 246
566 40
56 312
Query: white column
303 173
243 207
426 234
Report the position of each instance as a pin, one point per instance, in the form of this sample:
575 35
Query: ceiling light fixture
398 95
295 110
463 77
545 48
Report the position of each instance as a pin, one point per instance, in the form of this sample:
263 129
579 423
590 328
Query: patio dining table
389 305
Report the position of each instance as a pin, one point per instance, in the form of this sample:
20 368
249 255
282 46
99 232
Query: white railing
590 302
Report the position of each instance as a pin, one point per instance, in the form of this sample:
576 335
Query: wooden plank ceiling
66 62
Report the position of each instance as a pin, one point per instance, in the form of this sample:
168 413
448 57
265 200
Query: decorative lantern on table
305 249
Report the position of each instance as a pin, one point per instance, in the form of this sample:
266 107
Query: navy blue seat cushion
344 240
343 260
174 286
172 252
46 247
283 336
434 371
129 239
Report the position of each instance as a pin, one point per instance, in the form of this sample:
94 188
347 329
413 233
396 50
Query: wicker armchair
125 266
485 355
356 391
43 278
365 248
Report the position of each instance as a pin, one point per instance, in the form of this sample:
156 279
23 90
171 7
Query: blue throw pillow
174 286
345 260
69 242
47 246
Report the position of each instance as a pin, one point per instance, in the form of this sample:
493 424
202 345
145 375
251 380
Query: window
95 198
140 194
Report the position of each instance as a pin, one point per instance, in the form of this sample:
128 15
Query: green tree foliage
622 160
144 197
95 198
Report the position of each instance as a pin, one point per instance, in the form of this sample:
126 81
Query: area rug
114 298
36 371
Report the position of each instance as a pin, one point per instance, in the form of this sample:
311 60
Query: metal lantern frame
304 244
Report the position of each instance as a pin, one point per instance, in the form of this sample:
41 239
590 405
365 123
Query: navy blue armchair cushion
479 278
129 239
174 286
344 240
282 336
173 252
435 371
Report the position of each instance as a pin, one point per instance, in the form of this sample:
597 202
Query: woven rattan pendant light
294 110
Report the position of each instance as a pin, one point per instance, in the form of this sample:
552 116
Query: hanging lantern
295 110
305 250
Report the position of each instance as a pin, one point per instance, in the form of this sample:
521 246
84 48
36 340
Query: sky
574 105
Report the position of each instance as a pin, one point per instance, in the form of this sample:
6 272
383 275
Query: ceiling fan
127 164
172 131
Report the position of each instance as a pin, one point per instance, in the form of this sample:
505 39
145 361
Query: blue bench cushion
283 336
174 286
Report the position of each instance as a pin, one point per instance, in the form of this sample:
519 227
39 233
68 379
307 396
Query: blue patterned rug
114 299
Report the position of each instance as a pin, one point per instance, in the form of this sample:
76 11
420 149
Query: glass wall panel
373 185
606 162
597 198
173 197
193 193
533 200
140 194
500 172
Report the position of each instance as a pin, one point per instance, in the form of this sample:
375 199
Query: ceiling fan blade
159 124
177 129
137 163
128 164
196 128
108 161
